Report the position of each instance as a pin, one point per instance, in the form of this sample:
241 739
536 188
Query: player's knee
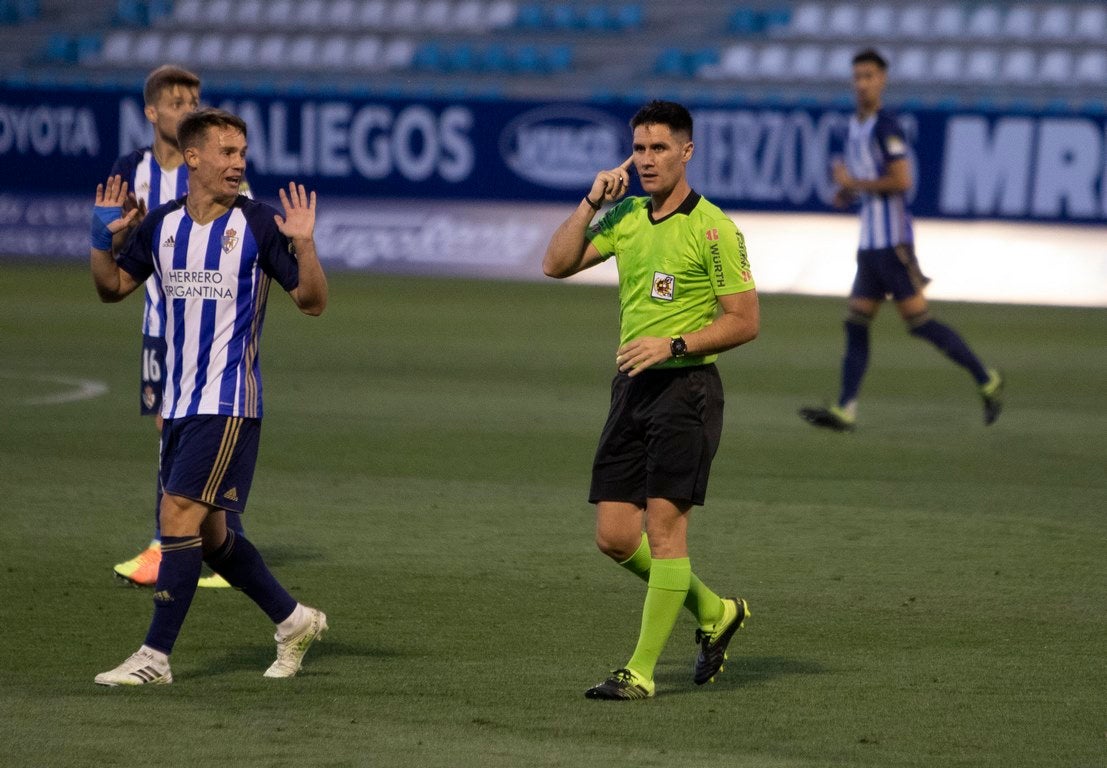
615 546
857 319
916 322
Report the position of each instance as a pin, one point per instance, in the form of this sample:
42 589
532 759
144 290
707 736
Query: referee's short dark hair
194 125
669 113
870 56
164 77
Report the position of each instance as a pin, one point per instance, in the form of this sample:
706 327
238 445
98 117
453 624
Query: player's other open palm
298 222
111 197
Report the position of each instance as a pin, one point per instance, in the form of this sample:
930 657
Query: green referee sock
668 587
704 604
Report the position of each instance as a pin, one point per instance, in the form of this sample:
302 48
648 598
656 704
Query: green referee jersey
671 270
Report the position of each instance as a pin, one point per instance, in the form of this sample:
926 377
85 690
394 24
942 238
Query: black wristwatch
678 347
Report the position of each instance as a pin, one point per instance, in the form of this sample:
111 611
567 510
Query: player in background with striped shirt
877 172
157 174
213 255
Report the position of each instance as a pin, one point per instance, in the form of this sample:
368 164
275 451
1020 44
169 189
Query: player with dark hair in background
155 175
877 172
213 255
685 294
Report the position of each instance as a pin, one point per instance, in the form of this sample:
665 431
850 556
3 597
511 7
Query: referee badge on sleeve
663 286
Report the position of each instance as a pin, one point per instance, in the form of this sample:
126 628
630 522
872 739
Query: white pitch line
80 389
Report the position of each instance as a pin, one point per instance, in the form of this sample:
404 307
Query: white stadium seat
1091 68
303 52
1091 23
947 66
468 16
914 21
880 21
397 54
218 13
210 48
272 52
117 47
807 20
188 12
335 53
1055 68
365 53
839 63
501 14
948 22
1056 23
984 23
405 15
311 13
248 14
1020 66
912 65
772 62
373 14
437 15
239 50
342 14
738 61
982 66
844 20
148 49
807 62
178 46
279 14
1020 23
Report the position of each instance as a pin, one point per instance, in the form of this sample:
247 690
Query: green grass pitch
925 591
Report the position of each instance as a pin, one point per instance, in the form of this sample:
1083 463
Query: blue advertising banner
1024 167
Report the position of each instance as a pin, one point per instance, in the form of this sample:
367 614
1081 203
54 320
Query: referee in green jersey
685 295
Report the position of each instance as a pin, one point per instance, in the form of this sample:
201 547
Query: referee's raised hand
611 185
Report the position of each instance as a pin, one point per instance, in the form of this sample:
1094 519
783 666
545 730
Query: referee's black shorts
661 434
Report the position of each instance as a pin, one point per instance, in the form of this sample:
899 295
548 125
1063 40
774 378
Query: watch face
678 347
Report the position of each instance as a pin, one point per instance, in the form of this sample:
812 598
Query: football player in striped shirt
877 172
157 174
213 254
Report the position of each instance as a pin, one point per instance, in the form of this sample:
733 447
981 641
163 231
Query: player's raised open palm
299 213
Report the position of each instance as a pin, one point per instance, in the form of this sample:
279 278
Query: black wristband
593 206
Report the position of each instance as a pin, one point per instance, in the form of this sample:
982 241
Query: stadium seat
914 22
495 58
1055 68
773 62
982 66
807 62
147 50
467 16
210 48
880 21
239 51
948 23
130 13
218 13
738 61
334 53
559 59
60 49
462 58
984 23
88 48
248 13
562 16
373 14
1056 23
436 15
528 60
117 47
272 51
530 17
303 52
839 63
911 65
187 12
844 21
310 13
947 65
365 53
397 54
1091 23
776 19
405 15
807 21
501 14
1020 23
178 46
430 57
342 15
1091 68
1020 66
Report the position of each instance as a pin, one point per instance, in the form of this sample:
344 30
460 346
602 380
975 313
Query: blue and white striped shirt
154 186
871 146
214 280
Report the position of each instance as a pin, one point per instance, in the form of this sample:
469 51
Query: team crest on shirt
230 240
711 234
663 286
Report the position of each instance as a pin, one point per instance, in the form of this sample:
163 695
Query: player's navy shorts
884 272
661 434
210 459
153 375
